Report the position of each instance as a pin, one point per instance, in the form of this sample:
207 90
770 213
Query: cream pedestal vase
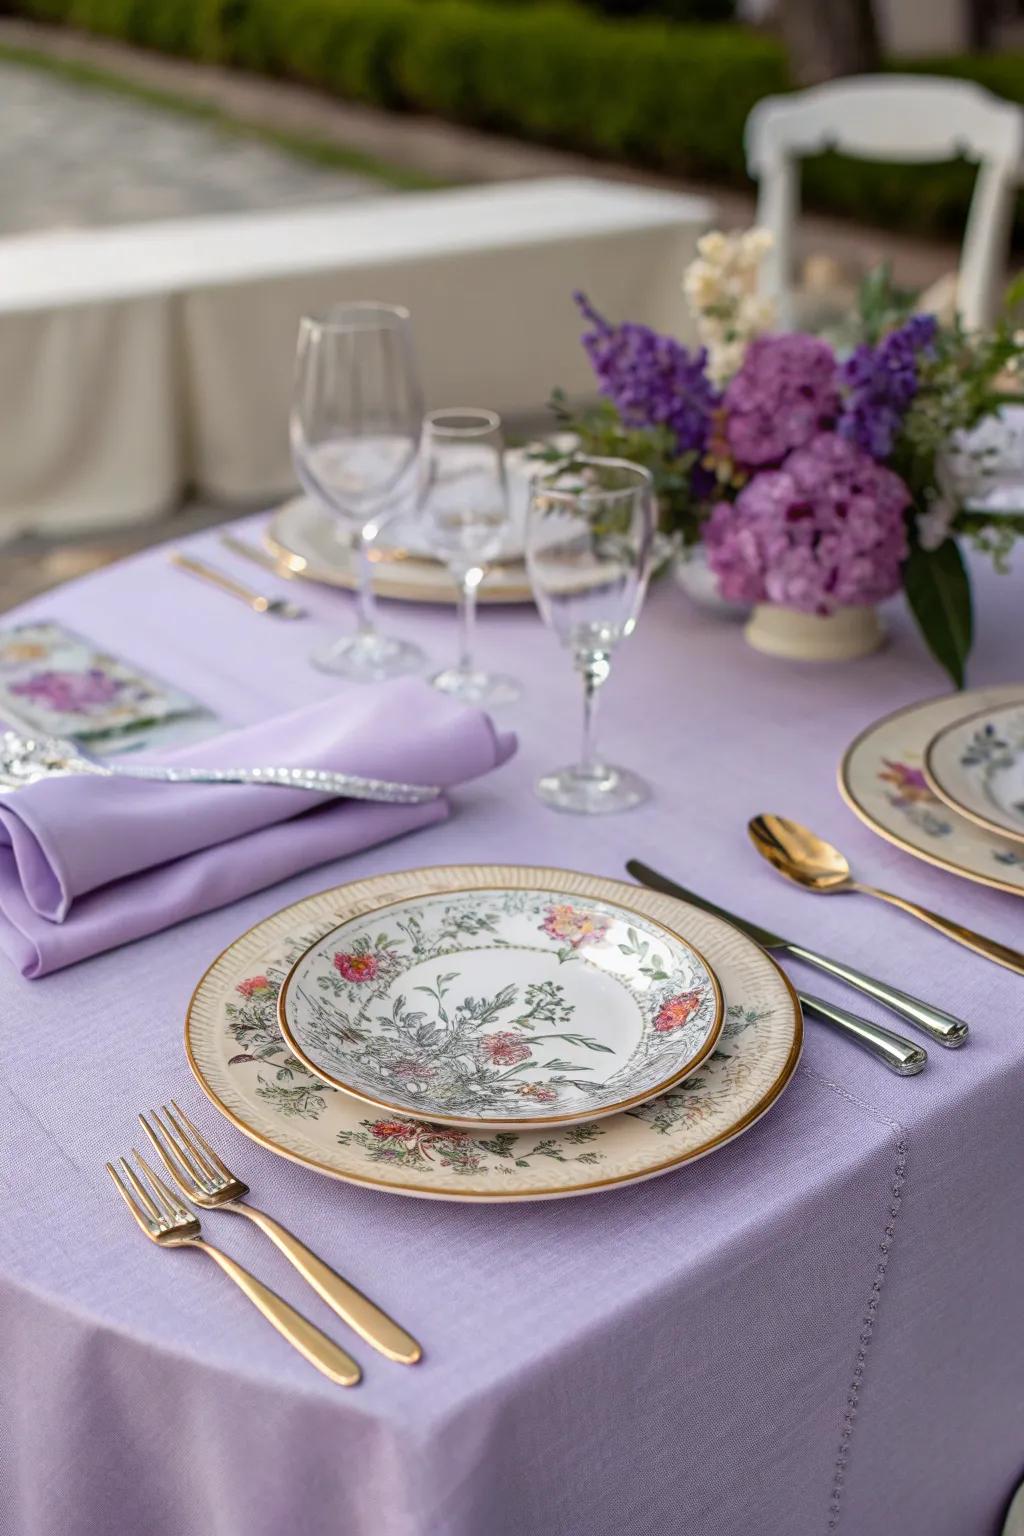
838 636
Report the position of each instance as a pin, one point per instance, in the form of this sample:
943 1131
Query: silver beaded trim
24 759
867 1327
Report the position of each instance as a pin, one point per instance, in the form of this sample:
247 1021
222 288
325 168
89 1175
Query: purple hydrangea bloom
825 530
786 391
653 380
881 382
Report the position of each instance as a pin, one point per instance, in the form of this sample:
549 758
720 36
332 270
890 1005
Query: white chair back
913 118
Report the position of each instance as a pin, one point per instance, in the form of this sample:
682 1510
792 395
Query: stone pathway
71 155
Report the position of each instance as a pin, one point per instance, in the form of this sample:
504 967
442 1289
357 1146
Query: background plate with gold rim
882 779
237 1054
306 537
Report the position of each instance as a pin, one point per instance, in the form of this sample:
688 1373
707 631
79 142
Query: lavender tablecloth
818 1327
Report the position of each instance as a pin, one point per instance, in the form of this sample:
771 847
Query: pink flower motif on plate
505 1049
539 1091
574 926
357 967
386 1130
677 1011
254 986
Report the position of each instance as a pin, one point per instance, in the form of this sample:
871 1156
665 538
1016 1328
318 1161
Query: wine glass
464 496
355 424
589 539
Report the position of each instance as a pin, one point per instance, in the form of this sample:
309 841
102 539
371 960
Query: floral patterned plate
240 1060
977 767
507 1008
882 779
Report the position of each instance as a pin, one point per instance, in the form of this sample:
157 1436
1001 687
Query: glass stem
366 603
593 667
470 582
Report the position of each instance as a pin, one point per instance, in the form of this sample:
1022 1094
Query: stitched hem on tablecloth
867 1326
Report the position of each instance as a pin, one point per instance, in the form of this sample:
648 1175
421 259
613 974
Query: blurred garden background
116 111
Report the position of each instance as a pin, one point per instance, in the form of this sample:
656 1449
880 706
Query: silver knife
894 1051
943 1027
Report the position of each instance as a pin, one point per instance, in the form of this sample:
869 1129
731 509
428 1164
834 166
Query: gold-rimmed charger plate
505 1008
239 1059
881 778
303 536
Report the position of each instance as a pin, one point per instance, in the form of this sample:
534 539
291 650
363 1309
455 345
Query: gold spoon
809 861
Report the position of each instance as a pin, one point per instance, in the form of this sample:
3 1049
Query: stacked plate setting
306 537
945 781
493 1032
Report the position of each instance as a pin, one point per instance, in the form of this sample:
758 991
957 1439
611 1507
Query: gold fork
207 1182
166 1222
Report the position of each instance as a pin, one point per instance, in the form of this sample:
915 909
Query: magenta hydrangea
786 392
825 530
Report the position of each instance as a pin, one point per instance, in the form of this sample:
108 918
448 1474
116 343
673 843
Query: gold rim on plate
206 1048
471 1121
387 573
945 795
849 794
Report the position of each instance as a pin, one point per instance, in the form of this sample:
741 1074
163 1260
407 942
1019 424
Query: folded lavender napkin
89 863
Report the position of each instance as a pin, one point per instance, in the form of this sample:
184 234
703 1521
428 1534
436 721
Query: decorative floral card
58 683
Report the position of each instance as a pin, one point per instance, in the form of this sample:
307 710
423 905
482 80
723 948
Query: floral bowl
504 1008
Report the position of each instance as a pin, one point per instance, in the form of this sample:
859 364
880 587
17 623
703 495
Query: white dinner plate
236 1051
882 779
976 766
505 1009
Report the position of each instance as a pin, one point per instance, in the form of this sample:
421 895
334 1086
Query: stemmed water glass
589 539
355 425
463 495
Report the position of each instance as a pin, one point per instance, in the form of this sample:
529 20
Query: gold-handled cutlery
205 1180
944 1027
258 556
166 1222
808 860
276 607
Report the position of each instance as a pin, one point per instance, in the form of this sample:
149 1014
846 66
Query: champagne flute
464 495
355 425
589 540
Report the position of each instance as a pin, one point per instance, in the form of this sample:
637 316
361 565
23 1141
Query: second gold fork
206 1181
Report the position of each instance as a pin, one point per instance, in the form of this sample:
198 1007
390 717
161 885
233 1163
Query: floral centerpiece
817 482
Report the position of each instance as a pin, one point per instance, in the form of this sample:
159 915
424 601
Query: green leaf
587 1041
939 593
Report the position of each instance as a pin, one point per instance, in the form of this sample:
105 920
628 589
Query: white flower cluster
720 285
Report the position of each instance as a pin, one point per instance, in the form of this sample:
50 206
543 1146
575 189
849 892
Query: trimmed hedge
674 98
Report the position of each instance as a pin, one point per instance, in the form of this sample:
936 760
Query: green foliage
672 96
599 432
646 82
939 593
881 305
